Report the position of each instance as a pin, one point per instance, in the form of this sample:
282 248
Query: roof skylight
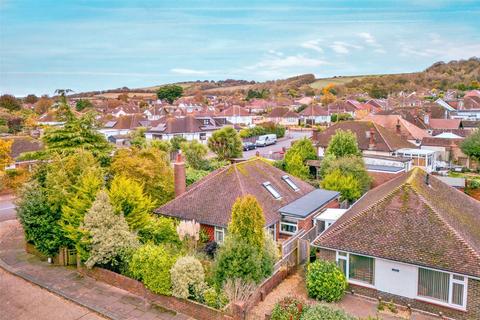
290 183
272 190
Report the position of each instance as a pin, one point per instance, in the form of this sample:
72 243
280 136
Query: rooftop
309 203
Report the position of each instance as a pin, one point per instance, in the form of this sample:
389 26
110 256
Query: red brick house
414 240
289 204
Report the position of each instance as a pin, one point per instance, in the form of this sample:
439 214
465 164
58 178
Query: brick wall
187 307
327 255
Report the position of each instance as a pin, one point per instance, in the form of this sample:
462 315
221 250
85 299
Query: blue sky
95 45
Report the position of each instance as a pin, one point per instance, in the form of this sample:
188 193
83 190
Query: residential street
21 300
284 142
7 208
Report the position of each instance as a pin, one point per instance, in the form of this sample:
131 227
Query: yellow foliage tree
5 150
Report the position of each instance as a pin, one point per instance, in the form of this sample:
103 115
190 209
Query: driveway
7 208
283 142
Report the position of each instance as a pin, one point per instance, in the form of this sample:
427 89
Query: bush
325 281
187 277
211 248
319 312
287 309
151 264
215 299
159 230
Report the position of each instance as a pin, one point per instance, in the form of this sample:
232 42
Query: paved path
107 300
7 208
295 286
21 300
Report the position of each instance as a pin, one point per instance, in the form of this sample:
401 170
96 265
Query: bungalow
315 114
283 116
414 240
237 115
188 127
122 125
396 123
371 137
289 204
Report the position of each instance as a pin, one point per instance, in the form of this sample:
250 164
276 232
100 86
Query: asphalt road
7 209
284 142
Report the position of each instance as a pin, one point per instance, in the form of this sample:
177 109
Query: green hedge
325 281
320 312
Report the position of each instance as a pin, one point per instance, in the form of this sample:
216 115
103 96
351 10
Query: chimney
179 175
398 127
315 134
371 143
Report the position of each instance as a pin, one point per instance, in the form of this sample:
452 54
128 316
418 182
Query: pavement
62 290
286 142
7 208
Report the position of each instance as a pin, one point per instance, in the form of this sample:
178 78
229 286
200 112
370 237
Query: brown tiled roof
187 124
313 111
277 112
23 144
441 142
235 111
445 123
127 122
407 128
409 221
210 200
385 140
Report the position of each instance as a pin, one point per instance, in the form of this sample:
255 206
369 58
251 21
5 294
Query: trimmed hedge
320 312
325 281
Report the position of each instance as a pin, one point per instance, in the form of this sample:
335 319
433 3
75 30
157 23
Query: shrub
288 308
238 290
187 277
325 281
248 221
159 230
215 299
211 248
151 264
319 312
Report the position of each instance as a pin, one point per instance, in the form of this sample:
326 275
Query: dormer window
290 183
272 190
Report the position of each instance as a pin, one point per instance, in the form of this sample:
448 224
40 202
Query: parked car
266 140
247 145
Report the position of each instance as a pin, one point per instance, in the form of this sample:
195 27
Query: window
288 228
219 234
272 190
290 183
356 268
203 136
442 286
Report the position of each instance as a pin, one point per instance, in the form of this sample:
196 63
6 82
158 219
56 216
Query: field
320 83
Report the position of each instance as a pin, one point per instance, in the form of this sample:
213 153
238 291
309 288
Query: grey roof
309 203
376 167
452 182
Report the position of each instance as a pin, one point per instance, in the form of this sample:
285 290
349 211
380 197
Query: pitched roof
309 203
23 144
445 123
385 140
409 221
187 124
235 111
407 128
209 201
314 111
125 122
282 112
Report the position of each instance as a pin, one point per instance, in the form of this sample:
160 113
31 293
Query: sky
105 44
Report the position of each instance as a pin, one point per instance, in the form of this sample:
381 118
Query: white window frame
290 183
448 304
219 230
282 223
342 255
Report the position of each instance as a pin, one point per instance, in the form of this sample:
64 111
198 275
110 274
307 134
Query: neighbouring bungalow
21 145
371 137
289 204
283 116
396 123
189 127
122 125
315 114
414 240
237 115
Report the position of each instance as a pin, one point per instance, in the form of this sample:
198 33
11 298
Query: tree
128 198
343 143
348 165
43 105
226 143
296 157
188 277
9 102
377 92
31 98
75 134
170 92
5 153
83 104
346 184
471 145
195 154
176 142
248 221
159 230
137 137
108 234
150 167
161 145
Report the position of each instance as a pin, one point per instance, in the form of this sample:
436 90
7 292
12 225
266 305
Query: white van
266 140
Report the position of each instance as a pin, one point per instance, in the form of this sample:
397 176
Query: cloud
367 37
183 71
343 47
277 53
313 45
287 62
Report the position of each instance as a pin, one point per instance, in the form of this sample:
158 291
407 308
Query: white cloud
367 37
313 45
188 71
343 47
296 61
275 52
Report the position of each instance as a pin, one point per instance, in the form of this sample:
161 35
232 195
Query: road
7 208
21 300
290 137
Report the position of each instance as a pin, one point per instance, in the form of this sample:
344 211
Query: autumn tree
128 198
5 153
343 143
31 98
43 105
248 221
170 93
328 94
137 137
471 145
9 102
150 167
226 143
